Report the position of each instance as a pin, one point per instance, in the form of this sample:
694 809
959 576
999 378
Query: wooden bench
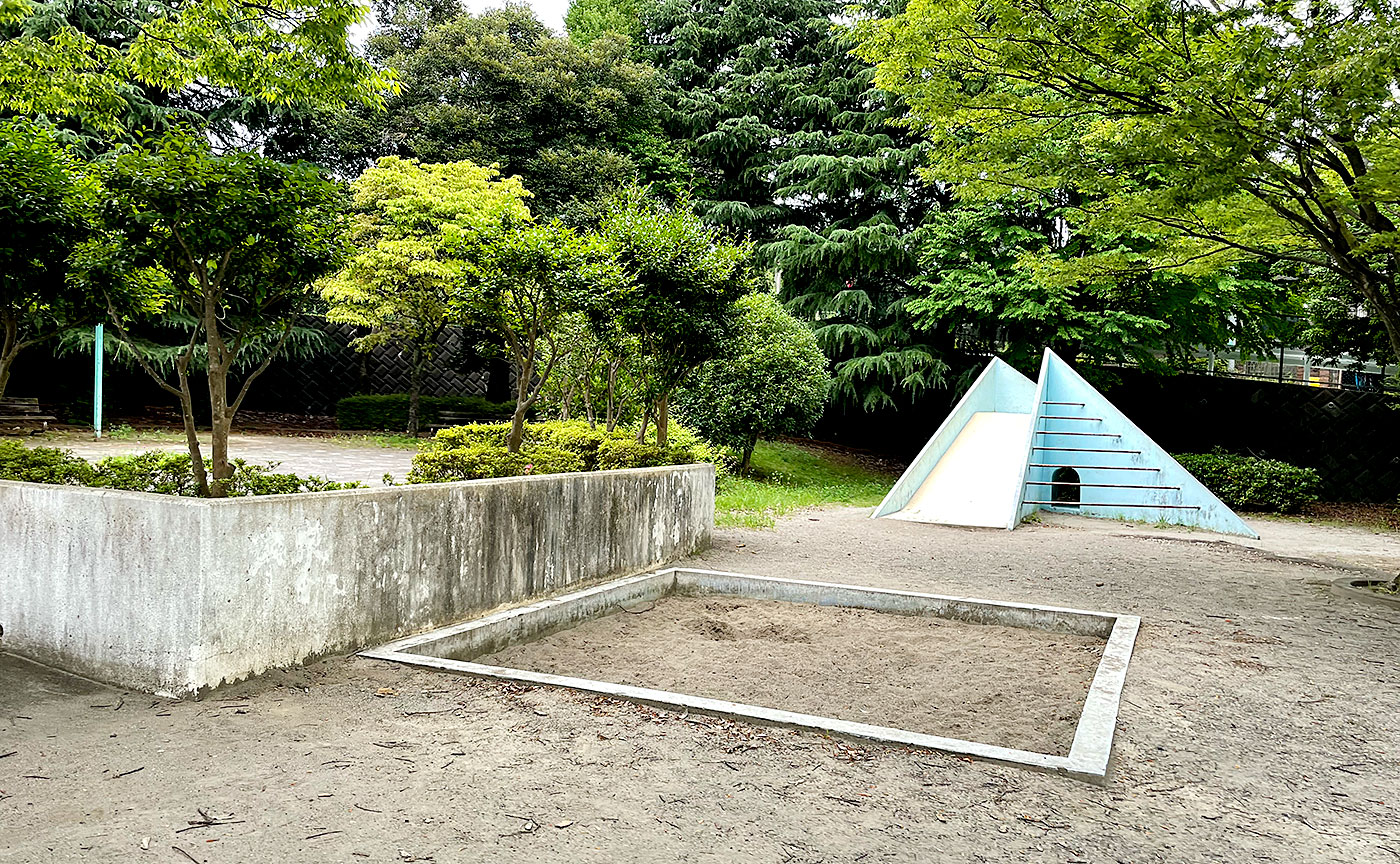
23 415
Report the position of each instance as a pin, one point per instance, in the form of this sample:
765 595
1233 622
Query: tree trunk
219 425
522 404
748 453
219 361
9 348
1379 303
415 391
612 396
201 475
663 417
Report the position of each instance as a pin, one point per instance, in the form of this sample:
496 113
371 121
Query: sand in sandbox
996 685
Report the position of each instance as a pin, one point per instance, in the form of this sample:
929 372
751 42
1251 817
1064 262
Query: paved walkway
335 459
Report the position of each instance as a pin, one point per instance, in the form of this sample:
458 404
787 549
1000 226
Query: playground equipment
1012 447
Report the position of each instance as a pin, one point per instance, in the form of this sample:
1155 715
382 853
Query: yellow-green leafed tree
414 228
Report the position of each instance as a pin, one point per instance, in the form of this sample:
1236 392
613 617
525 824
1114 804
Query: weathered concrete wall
171 595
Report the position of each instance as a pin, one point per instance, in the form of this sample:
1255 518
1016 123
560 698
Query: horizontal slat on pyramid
1103 480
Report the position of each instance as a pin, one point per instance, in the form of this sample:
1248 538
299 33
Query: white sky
551 12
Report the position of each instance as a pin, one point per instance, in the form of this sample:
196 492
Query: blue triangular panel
1082 444
971 470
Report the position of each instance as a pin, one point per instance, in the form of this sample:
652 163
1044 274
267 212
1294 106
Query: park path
325 457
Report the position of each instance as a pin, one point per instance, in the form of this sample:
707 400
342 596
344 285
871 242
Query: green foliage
771 380
43 465
798 150
974 283
1209 134
574 121
153 471
161 473
526 281
45 201
686 277
625 452
785 477
479 450
237 237
740 84
1247 483
575 436
237 241
389 411
479 461
116 66
412 228
589 20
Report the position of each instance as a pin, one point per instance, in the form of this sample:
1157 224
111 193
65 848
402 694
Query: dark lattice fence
310 386
1351 437
314 386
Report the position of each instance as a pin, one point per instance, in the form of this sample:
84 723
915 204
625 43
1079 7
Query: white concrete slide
970 471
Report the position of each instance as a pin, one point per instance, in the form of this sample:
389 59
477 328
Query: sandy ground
1259 723
997 685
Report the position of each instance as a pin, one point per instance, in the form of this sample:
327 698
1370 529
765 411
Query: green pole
97 382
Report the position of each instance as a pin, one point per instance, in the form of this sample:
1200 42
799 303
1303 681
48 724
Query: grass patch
387 440
785 477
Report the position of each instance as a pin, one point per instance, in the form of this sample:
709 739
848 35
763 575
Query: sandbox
1026 685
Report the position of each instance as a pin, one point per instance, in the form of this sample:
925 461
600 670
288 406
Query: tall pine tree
797 150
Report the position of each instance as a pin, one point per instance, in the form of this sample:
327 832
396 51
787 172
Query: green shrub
575 436
470 435
478 450
771 380
479 461
161 473
42 465
1248 483
616 453
389 411
249 479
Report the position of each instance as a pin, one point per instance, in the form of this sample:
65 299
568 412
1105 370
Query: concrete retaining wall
174 594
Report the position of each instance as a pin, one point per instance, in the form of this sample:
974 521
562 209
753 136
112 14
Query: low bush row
163 473
389 412
1250 483
478 450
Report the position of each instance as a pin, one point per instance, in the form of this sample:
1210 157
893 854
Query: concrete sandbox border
1093 738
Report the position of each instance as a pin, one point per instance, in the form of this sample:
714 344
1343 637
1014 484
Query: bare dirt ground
998 685
1259 723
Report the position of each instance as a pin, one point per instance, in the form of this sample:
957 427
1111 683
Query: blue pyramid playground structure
1013 446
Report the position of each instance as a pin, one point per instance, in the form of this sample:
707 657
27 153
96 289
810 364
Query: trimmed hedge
477 450
389 411
1249 483
162 473
479 461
